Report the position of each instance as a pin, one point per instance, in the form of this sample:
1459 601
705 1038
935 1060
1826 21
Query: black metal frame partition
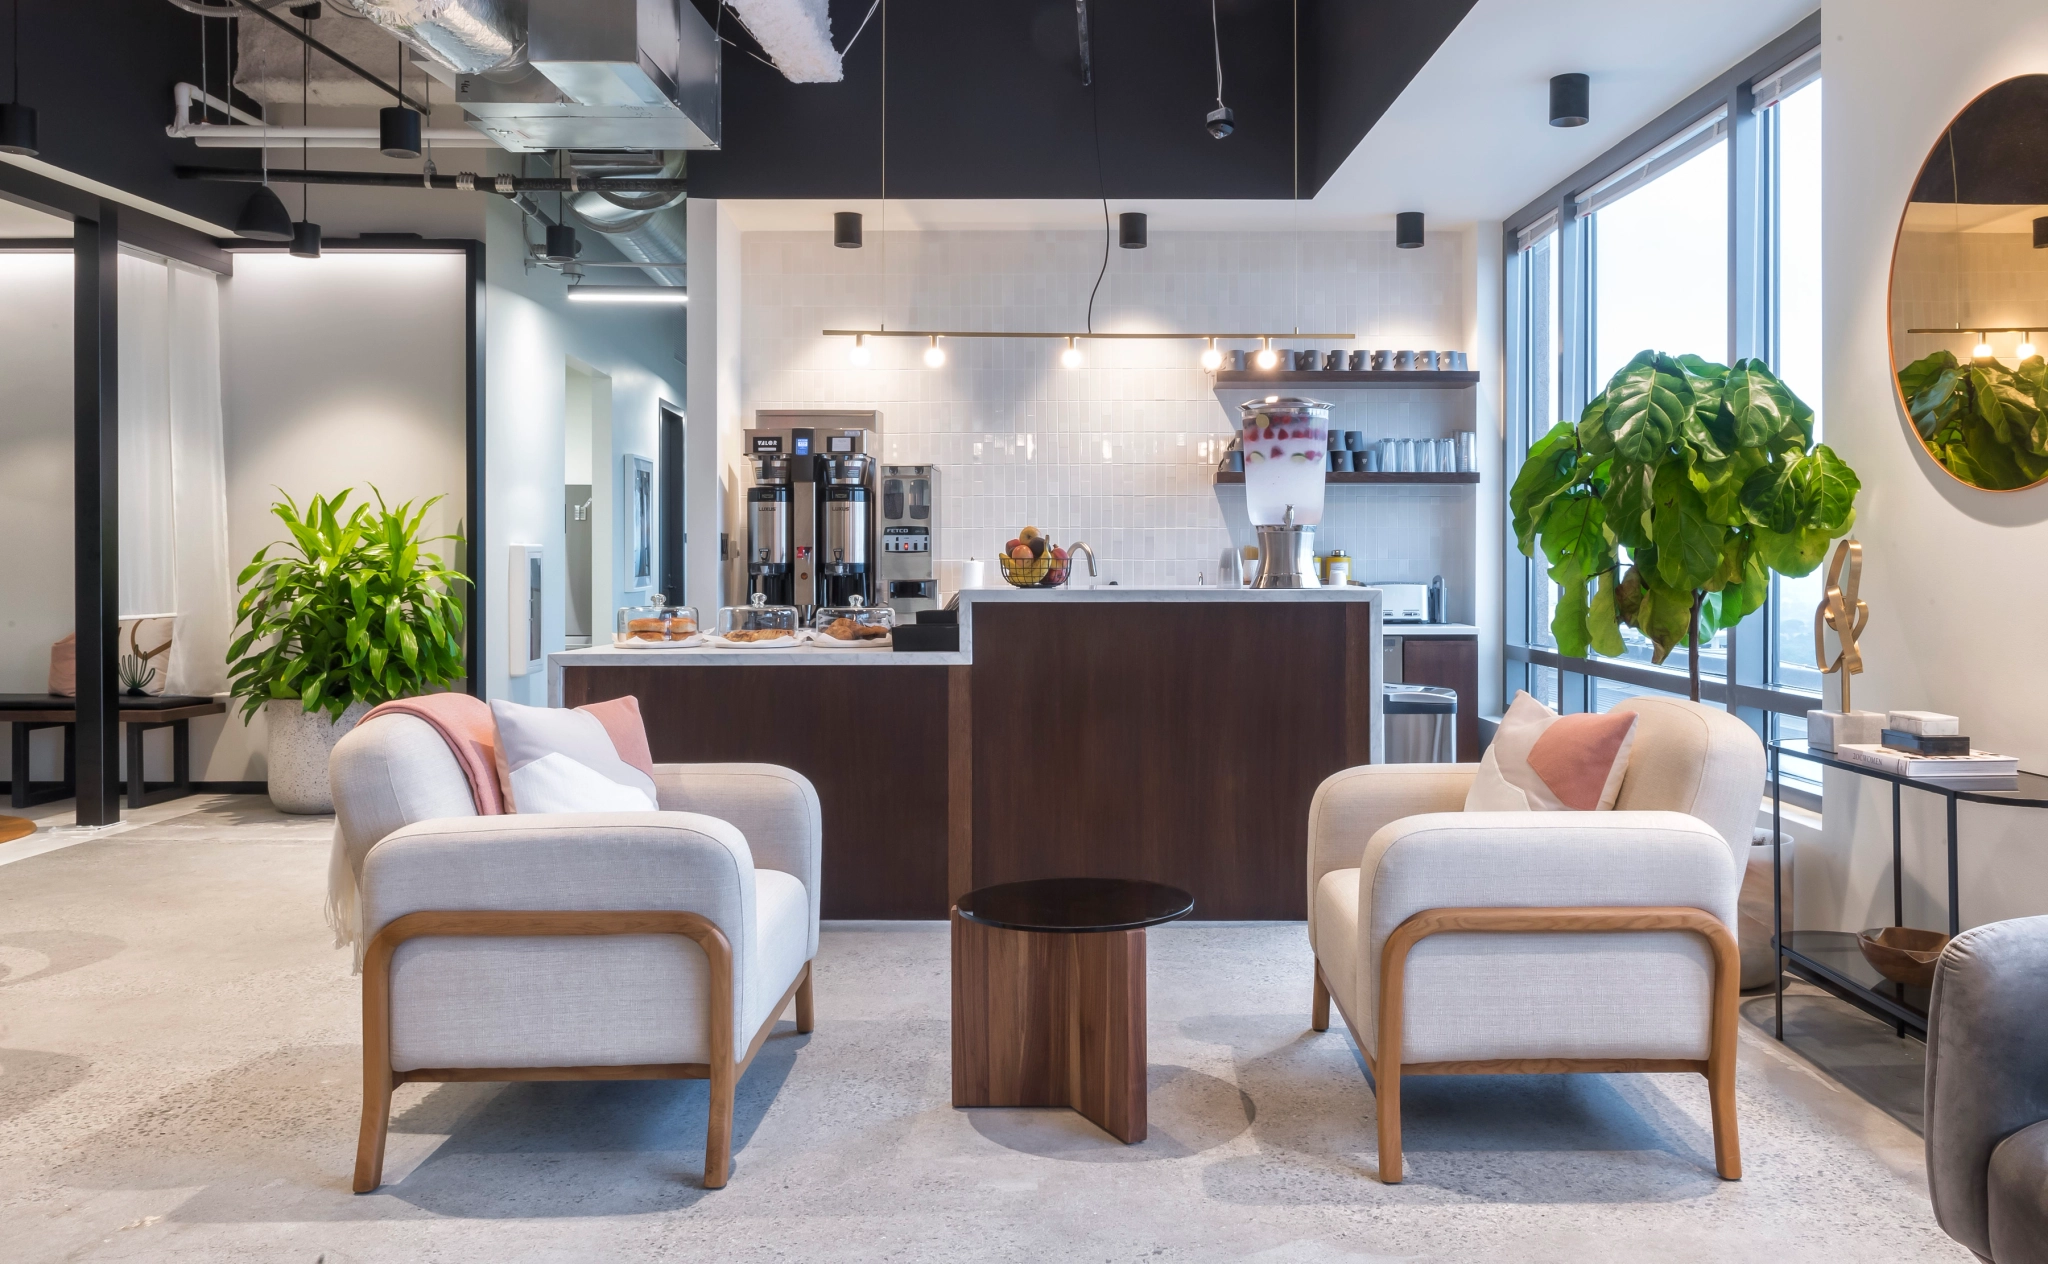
1747 691
100 226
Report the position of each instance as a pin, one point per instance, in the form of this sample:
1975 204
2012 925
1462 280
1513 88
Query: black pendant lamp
1570 96
306 240
398 131
846 230
1408 230
17 121
264 218
2041 233
562 245
1130 230
305 233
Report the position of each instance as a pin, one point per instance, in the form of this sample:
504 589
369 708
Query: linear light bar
1063 336
670 294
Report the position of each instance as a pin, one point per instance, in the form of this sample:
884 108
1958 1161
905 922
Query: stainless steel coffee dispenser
906 579
811 529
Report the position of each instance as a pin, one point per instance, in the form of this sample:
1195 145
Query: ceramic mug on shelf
1333 362
1404 360
1426 361
1360 361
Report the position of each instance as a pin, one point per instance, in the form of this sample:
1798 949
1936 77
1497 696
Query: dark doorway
669 526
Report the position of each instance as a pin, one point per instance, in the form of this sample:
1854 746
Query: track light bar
1063 336
671 294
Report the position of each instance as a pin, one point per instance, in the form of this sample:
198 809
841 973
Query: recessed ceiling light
671 294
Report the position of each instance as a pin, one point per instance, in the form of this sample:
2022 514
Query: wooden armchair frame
723 1070
1386 1065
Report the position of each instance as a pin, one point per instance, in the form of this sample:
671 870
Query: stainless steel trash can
1421 724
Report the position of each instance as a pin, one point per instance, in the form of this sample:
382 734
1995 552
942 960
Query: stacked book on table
1928 746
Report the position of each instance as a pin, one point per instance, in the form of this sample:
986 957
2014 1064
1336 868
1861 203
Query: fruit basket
1033 561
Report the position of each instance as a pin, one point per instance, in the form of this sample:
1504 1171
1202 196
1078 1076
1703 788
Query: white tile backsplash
1121 452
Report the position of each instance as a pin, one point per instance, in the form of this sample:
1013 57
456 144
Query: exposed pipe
465 181
251 132
638 225
469 37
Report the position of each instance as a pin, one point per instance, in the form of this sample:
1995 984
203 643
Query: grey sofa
1987 1091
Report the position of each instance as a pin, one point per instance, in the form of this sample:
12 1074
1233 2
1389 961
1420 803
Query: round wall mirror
1969 292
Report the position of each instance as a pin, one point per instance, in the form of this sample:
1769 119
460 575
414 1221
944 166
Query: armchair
1987 1091
585 946
1459 942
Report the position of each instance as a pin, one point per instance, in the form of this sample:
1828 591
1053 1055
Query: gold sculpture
1841 610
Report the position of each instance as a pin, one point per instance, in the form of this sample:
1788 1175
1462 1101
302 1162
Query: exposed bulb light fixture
1569 96
1212 359
860 355
2025 350
666 294
1982 351
1071 357
1267 358
934 355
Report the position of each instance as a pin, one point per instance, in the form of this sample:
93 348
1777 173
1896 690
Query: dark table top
57 702
1076 905
2027 790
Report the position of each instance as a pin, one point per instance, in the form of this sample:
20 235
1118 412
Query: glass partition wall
1701 234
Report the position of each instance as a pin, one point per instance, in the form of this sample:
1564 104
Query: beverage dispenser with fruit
1285 449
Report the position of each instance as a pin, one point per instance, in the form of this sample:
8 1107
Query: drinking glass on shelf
1425 456
1446 455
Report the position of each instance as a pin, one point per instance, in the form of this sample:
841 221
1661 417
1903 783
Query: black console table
28 712
1830 959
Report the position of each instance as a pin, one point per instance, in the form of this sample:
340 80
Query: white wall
532 334
35 455
1950 573
1122 452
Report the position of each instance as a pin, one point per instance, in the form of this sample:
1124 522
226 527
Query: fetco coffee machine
908 583
811 522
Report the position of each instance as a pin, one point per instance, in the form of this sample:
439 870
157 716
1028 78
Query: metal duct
642 226
469 37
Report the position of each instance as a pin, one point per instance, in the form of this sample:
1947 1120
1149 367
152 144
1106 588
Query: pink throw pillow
622 722
1541 761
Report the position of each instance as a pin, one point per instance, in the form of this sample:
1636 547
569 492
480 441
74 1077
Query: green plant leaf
1753 407
1626 504
1650 404
1603 618
1665 616
1546 473
1831 489
1574 529
1688 542
1793 553
1568 623
1778 495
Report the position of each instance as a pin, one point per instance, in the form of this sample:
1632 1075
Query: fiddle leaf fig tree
1668 504
350 609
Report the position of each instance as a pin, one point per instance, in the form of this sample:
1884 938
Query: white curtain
173 499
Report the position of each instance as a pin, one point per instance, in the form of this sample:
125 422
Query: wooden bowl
1902 953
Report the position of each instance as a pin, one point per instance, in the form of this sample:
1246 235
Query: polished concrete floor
179 1082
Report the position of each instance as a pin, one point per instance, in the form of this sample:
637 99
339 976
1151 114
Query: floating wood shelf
1226 476
1380 379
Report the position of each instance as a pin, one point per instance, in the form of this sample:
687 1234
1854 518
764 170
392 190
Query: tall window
1706 240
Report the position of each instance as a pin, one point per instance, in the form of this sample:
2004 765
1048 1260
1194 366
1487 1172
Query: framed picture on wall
640 511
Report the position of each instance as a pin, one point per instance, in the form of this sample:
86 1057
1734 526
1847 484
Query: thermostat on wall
522 609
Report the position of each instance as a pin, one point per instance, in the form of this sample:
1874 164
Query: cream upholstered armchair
586 946
1489 942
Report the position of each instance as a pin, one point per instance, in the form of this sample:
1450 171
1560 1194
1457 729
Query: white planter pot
300 742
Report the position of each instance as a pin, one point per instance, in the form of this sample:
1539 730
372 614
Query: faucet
1079 546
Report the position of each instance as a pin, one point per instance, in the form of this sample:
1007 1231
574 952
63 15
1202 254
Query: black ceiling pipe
398 131
1408 230
846 230
1130 230
1570 98
464 180
264 218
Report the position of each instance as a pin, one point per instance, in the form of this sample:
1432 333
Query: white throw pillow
552 760
1540 761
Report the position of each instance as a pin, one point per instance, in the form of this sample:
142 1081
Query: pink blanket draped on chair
464 723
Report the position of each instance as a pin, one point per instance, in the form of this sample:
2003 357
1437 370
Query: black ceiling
985 99
1996 150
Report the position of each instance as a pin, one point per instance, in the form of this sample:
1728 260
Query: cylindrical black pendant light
1570 96
1130 230
398 131
2041 233
306 240
846 230
1408 230
562 244
17 121
264 218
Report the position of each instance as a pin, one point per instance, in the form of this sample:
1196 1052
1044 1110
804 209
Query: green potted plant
347 613
1986 424
1670 501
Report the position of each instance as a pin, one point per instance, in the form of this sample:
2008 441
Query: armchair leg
1721 1055
718 1136
1319 1009
377 1079
806 1013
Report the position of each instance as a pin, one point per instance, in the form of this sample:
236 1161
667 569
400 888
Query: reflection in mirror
1969 291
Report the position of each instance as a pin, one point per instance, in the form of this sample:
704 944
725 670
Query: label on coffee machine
767 443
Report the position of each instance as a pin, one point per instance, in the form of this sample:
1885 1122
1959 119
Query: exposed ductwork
644 227
469 37
796 34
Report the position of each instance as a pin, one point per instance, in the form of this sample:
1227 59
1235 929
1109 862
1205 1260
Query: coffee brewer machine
906 561
811 528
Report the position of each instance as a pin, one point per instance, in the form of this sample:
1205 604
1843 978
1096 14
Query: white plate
694 639
824 642
793 641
